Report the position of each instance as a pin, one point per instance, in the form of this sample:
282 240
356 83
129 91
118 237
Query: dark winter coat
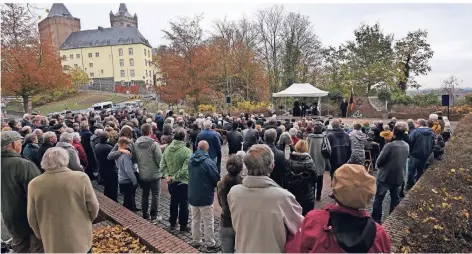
340 147
159 122
223 188
421 143
235 139
251 137
301 177
85 137
350 227
16 173
42 150
31 153
214 141
391 162
107 167
278 173
202 179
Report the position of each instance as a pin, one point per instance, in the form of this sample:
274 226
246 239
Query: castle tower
123 17
57 26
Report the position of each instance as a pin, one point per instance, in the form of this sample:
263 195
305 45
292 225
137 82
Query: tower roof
123 11
59 9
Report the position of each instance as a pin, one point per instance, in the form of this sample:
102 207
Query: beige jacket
262 214
61 207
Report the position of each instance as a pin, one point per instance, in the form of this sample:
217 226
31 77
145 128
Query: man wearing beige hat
17 172
345 226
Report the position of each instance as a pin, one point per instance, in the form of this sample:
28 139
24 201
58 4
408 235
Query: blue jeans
415 170
227 239
382 189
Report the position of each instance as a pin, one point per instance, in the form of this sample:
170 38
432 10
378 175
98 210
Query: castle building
115 56
57 26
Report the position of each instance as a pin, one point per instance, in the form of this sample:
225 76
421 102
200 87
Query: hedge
435 214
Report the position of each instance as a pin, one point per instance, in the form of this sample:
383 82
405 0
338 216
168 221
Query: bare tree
18 25
185 34
450 86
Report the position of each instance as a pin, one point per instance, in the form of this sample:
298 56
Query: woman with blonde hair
301 176
55 197
285 144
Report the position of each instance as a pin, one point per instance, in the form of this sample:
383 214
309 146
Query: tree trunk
26 104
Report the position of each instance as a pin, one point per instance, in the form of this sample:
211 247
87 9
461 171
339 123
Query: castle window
75 66
120 52
144 52
92 75
101 71
146 73
145 62
131 62
97 54
77 56
64 57
130 51
149 53
122 72
131 72
71 56
90 54
90 65
122 62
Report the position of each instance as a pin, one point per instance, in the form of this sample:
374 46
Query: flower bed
435 214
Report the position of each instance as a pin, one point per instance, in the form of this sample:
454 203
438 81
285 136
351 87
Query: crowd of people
274 175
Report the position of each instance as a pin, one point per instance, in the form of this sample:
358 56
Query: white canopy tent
302 90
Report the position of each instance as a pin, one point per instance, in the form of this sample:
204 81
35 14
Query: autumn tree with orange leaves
29 67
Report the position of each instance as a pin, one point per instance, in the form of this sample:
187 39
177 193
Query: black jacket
340 148
235 138
85 137
421 143
42 150
251 138
278 173
301 177
107 167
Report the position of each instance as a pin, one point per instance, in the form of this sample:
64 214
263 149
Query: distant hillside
461 91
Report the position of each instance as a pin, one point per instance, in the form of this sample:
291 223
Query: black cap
57 127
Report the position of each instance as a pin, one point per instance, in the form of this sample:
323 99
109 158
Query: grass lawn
78 102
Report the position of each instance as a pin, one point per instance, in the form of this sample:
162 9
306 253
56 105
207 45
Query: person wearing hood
301 176
340 146
174 165
261 205
202 179
30 151
107 167
391 171
358 141
65 142
316 141
345 226
421 147
147 154
16 175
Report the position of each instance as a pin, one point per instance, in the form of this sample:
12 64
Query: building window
97 54
90 65
122 72
101 71
122 62
90 54
64 57
146 73
77 56
131 72
149 53
92 75
145 62
144 52
85 69
75 66
120 52
130 51
131 62
71 56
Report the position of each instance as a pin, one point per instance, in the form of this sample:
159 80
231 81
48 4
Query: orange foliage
31 69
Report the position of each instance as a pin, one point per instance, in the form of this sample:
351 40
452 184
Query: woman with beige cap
345 226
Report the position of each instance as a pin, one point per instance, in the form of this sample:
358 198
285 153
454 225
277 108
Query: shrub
251 107
206 108
468 99
384 94
401 99
335 95
429 99
435 214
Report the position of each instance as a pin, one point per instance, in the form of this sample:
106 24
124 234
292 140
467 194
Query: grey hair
433 117
55 157
207 124
38 131
336 123
410 121
285 139
100 130
422 122
76 136
402 124
48 135
270 136
66 137
30 137
259 160
69 130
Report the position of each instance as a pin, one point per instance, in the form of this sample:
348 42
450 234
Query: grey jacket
74 162
358 141
314 150
391 162
147 153
125 169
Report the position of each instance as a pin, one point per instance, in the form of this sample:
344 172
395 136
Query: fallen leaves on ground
116 240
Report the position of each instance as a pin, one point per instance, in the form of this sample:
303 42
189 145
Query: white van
102 105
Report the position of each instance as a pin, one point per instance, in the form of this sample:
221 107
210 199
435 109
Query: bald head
203 145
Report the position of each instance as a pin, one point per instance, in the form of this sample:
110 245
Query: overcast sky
449 25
